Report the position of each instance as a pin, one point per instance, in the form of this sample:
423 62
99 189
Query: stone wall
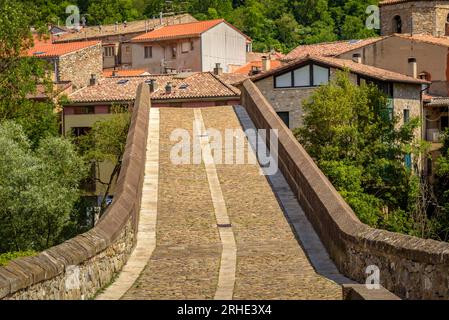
411 267
78 66
429 17
79 267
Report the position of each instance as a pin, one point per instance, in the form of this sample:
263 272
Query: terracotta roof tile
246 69
140 26
441 41
193 29
47 49
388 2
126 72
354 67
185 86
329 48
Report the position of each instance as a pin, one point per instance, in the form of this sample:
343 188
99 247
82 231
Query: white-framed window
310 75
109 51
174 51
148 52
185 47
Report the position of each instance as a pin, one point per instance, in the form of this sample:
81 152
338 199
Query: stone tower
417 17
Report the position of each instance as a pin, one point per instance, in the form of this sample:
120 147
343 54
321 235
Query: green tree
38 188
20 75
442 185
105 144
352 134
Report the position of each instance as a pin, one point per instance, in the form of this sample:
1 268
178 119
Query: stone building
287 87
73 62
115 38
196 46
415 17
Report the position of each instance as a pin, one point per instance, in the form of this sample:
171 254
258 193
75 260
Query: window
406 115
148 52
320 75
284 81
285 117
447 26
108 51
397 24
174 51
444 122
306 76
80 131
192 46
185 47
429 167
302 77
84 110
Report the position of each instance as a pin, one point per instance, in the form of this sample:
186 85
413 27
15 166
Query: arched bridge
206 220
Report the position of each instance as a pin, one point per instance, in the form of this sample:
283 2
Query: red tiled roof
125 72
246 69
354 67
388 2
440 41
328 48
193 29
46 49
185 86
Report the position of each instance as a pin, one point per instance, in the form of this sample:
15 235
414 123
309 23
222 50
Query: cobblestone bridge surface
219 231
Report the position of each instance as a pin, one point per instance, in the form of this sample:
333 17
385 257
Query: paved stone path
221 232
146 236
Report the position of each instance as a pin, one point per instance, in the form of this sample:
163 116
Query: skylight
123 81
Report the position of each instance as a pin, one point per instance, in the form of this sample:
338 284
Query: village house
288 86
115 37
73 62
415 43
196 46
184 90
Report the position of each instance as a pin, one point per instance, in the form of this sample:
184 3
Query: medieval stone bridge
207 230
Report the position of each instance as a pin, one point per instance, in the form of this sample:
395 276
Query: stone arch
397 24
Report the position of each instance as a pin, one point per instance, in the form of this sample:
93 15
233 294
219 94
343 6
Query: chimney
161 18
93 79
357 58
218 70
413 68
152 84
168 88
114 73
116 26
266 64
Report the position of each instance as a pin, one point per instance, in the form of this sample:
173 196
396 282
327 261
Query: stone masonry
428 17
78 66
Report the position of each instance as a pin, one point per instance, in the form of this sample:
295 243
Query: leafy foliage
105 143
272 24
38 188
6 257
356 140
20 76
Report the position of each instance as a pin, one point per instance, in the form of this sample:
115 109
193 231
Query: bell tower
415 17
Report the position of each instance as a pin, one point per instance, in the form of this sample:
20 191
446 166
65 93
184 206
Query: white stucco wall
222 44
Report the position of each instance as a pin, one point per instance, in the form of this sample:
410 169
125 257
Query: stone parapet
79 267
410 267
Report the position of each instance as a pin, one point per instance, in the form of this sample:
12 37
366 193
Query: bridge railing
79 267
411 267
